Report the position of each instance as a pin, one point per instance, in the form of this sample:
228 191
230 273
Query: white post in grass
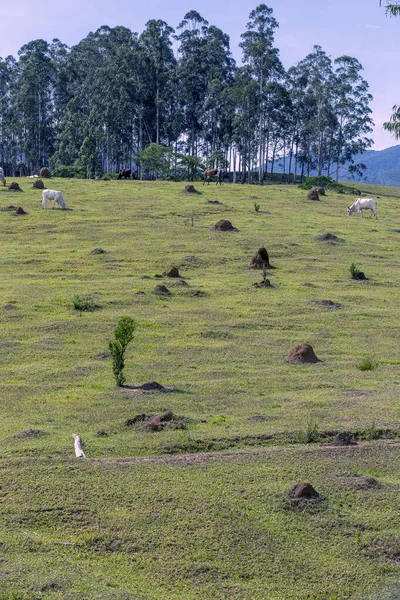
79 453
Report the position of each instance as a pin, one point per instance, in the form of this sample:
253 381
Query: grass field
197 513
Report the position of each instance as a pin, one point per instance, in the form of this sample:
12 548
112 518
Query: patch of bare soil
302 353
195 293
213 202
192 261
10 207
389 547
357 482
178 283
148 388
258 418
102 356
20 211
328 237
310 285
157 422
326 303
29 433
343 439
224 225
98 251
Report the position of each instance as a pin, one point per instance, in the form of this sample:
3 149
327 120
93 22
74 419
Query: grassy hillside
197 512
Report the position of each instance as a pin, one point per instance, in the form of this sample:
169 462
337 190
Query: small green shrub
84 303
257 207
123 335
366 365
310 435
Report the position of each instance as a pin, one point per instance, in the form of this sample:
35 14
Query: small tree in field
123 335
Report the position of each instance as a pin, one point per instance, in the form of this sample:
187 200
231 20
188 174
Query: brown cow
211 174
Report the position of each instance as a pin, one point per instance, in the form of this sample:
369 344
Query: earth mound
359 275
98 251
20 211
224 225
326 303
44 172
263 284
173 272
302 353
327 237
161 289
190 189
157 422
38 184
313 194
259 259
302 491
14 187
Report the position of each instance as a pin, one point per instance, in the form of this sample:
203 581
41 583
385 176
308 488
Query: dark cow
125 174
211 174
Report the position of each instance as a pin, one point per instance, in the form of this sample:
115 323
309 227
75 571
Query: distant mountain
383 167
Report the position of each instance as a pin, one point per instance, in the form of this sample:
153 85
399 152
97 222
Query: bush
123 335
310 435
257 206
328 182
84 303
366 365
66 171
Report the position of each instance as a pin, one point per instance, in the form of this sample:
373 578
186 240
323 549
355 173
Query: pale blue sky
355 27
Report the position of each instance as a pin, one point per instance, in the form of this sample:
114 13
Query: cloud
374 26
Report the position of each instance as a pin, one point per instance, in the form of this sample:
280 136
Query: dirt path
201 457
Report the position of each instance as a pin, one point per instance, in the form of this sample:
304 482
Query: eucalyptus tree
160 67
219 79
265 66
319 120
244 94
352 110
33 96
192 75
8 116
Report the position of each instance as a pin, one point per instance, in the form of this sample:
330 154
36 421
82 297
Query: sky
357 28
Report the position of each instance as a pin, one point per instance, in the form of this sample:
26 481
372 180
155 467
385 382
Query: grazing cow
211 174
125 174
361 204
53 195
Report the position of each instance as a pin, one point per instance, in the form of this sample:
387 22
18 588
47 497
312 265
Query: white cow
53 195
361 204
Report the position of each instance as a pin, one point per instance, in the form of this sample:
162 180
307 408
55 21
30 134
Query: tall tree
160 68
352 111
263 60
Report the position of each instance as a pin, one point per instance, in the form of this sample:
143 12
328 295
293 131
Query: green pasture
138 518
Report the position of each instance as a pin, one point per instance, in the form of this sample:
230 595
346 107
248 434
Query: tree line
168 101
